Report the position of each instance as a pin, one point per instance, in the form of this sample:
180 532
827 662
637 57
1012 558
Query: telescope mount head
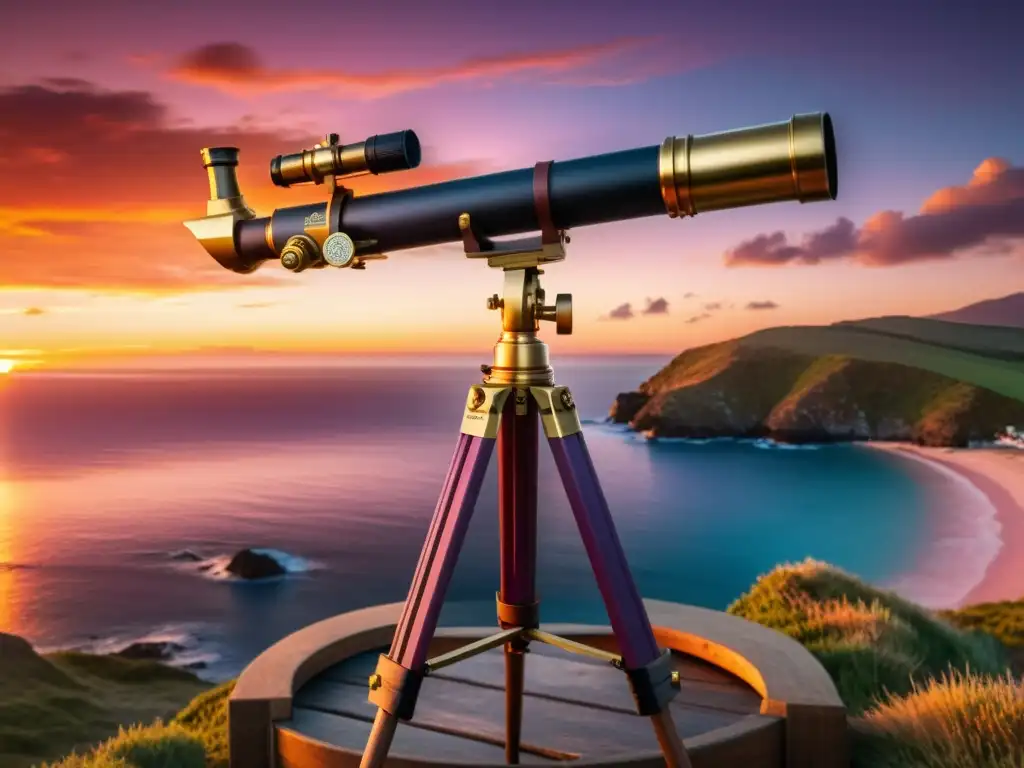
520 357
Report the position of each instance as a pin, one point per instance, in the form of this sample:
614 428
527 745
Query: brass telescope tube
795 160
683 176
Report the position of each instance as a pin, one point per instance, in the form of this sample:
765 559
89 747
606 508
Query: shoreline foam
974 561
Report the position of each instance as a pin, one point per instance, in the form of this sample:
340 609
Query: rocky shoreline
628 409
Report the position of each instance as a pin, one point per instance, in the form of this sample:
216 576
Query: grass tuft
154 746
196 738
959 720
872 642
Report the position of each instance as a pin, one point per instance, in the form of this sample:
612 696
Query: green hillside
931 345
896 378
996 341
52 704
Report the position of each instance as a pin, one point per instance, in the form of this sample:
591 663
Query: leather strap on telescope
542 203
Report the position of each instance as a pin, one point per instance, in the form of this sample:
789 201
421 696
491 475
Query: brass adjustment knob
495 302
561 313
299 253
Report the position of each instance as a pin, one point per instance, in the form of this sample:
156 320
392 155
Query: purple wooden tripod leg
433 574
517 523
597 529
622 600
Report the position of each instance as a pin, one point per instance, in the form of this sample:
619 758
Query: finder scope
682 176
378 154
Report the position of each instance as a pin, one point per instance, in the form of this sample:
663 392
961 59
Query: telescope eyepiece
399 151
220 164
382 153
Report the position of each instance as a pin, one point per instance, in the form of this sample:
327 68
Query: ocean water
105 476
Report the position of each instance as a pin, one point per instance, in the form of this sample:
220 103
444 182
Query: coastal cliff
901 379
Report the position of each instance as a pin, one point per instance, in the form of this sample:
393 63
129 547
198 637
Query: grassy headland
897 378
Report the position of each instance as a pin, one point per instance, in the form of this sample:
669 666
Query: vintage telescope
518 397
682 176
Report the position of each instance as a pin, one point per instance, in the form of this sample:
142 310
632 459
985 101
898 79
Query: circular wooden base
749 696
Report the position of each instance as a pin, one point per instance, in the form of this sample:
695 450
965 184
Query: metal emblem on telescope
476 398
567 402
339 250
314 219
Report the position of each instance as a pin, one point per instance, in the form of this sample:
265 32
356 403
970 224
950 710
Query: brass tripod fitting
522 307
520 358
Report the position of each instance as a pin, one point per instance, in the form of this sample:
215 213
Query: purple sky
103 109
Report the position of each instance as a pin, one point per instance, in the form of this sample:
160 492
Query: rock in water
158 650
248 564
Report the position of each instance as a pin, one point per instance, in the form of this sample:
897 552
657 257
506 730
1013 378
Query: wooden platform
574 708
303 704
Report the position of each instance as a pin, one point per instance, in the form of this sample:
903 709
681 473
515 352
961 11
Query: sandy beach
998 474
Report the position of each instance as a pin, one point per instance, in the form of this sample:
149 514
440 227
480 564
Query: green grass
52 704
922 692
954 721
1000 376
871 642
1004 620
1000 342
195 738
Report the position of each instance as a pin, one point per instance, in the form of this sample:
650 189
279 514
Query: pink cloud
988 210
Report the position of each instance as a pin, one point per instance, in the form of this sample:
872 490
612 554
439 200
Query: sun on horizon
6 365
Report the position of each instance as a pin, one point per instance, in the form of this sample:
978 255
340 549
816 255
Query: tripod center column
518 450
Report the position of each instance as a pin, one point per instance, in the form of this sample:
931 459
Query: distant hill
895 378
1008 310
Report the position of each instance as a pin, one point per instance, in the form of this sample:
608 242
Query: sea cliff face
735 390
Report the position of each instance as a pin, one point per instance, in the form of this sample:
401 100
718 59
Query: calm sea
104 476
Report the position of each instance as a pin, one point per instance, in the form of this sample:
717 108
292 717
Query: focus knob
299 253
561 314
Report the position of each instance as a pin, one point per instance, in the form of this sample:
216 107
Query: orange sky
100 163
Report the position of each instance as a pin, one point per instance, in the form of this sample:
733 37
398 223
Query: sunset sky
105 106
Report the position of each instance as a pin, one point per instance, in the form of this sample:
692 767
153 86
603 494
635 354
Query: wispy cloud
759 305
987 211
698 318
238 69
33 311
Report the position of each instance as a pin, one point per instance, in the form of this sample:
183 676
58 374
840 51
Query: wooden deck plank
409 742
565 677
566 727
688 666
586 683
